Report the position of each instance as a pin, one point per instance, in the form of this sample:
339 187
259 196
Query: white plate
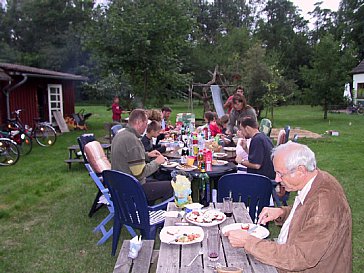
187 169
170 234
260 232
230 149
219 155
170 164
219 162
206 214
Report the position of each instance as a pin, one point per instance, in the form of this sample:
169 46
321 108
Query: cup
228 206
190 160
213 245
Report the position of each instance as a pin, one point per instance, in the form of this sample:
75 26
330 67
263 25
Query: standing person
317 229
116 110
128 156
240 109
229 102
166 113
259 152
210 120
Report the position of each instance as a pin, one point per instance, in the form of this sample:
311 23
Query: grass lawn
44 225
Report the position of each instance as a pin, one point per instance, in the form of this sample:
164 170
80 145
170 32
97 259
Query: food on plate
213 146
185 167
218 162
245 226
207 216
186 238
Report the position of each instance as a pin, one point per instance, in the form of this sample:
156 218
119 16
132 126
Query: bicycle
357 109
9 152
21 139
43 132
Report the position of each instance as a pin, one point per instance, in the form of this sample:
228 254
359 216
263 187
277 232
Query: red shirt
116 112
214 129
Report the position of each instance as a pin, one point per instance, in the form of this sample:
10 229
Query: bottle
200 159
204 187
185 151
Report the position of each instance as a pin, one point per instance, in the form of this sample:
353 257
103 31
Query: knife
250 231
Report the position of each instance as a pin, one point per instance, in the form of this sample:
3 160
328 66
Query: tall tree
326 78
126 39
284 32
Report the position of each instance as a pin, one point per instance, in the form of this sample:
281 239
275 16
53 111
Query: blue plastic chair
106 200
253 189
82 141
115 129
131 207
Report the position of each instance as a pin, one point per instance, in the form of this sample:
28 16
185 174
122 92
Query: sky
308 5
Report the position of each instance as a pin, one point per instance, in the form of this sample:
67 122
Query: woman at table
153 131
229 102
240 110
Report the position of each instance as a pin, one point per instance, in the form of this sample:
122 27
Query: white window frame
54 89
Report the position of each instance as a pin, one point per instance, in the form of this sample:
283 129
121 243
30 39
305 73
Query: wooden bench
142 263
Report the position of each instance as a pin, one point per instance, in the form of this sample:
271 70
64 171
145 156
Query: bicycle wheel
9 152
25 144
360 110
45 135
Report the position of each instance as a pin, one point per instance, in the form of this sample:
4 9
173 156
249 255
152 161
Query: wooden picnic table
174 258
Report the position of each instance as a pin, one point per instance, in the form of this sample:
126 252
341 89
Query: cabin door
55 101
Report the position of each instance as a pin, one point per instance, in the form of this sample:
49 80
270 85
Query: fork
194 258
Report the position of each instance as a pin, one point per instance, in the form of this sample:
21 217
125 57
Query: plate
170 164
186 168
260 232
181 235
206 218
219 162
230 149
219 155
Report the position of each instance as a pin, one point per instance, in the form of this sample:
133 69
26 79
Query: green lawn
44 225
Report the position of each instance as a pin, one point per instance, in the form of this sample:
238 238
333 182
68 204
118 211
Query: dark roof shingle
359 69
14 68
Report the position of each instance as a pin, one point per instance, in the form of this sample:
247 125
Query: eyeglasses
281 175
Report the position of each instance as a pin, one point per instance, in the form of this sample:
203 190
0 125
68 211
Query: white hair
296 155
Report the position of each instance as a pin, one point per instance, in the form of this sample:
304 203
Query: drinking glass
213 245
228 206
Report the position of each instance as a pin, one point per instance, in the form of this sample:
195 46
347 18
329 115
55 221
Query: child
116 110
153 130
211 122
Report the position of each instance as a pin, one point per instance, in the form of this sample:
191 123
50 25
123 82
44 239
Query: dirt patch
301 133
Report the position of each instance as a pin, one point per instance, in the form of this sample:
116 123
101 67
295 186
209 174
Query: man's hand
269 214
154 153
238 159
238 237
160 159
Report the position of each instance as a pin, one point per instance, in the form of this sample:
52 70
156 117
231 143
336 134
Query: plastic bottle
204 187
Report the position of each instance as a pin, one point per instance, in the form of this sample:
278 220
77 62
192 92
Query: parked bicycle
20 138
357 109
43 132
9 152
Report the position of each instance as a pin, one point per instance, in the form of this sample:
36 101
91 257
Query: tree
326 78
126 39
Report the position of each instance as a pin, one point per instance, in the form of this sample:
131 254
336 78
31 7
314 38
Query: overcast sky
308 5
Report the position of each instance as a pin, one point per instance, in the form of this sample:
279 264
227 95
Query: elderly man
128 156
316 234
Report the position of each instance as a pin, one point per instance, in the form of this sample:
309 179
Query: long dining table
175 258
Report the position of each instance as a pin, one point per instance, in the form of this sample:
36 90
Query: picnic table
174 258
74 155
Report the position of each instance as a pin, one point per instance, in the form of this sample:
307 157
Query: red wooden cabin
38 91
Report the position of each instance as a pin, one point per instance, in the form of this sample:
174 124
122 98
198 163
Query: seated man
316 232
259 151
128 156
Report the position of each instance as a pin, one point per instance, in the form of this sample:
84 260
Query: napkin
135 245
